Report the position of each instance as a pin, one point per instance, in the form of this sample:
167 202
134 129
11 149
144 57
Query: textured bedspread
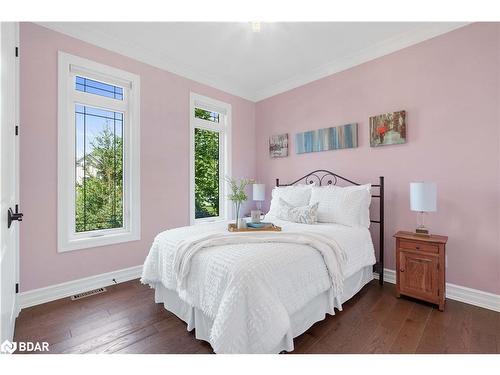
250 284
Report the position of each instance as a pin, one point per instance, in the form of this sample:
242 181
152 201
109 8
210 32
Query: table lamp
259 194
423 199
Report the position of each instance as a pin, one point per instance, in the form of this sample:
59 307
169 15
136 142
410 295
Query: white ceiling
233 58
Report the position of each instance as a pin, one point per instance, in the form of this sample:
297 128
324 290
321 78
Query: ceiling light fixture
255 27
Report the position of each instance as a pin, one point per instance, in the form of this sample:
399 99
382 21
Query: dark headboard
323 177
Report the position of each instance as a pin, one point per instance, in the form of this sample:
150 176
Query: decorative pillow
296 195
304 214
343 205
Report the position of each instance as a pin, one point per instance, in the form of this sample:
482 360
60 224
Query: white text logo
9 347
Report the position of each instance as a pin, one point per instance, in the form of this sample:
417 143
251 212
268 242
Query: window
98 155
98 88
98 168
210 158
206 115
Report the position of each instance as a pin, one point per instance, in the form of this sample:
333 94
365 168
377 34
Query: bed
253 293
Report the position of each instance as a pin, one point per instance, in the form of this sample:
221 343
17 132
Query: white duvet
250 284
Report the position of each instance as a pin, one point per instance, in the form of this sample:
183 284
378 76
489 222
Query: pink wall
164 157
449 87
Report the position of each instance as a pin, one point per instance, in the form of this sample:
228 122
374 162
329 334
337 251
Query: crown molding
373 52
147 56
153 58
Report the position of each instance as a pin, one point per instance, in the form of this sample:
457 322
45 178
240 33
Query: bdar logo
8 347
23 346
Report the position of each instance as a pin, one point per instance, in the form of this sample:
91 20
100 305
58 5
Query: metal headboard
324 177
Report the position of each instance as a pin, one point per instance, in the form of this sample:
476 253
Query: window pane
206 115
206 177
98 169
98 88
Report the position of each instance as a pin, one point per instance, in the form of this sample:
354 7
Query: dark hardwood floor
125 319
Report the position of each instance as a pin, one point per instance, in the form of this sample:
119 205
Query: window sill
97 241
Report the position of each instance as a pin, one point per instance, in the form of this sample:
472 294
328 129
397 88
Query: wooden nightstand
420 267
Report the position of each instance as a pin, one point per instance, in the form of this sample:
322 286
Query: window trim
68 67
224 128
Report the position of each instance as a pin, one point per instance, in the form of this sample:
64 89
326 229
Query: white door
9 187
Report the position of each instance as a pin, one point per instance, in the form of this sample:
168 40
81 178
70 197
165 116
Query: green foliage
99 195
207 171
206 167
238 194
206 115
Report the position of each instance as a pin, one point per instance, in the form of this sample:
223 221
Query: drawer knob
417 247
401 270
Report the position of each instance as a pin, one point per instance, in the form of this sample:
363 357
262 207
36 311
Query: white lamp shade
423 196
259 192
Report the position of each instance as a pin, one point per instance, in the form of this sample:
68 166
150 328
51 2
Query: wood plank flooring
125 319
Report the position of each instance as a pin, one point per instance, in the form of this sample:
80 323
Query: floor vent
88 294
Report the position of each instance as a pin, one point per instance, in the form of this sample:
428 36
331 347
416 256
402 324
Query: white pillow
296 195
343 205
303 214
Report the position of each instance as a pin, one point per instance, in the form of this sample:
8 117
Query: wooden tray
273 228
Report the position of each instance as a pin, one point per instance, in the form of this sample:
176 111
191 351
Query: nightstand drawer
420 246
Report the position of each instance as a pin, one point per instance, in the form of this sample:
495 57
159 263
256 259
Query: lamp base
421 228
422 231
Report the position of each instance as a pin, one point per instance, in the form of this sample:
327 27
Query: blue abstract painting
335 138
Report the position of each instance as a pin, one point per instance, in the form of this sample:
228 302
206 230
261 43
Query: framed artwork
335 138
278 146
388 129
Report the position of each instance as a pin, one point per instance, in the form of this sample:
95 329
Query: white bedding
250 290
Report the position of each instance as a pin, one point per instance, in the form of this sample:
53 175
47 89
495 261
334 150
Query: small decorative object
238 195
242 223
388 129
278 146
256 216
423 198
335 138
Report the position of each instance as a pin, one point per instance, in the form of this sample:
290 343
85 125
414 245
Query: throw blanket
331 252
249 301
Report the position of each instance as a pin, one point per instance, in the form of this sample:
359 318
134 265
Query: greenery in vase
238 194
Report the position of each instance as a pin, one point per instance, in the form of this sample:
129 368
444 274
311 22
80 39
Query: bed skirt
301 320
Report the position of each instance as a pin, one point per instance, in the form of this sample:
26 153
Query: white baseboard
389 276
458 293
53 292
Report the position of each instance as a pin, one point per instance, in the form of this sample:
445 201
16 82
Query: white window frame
224 129
68 67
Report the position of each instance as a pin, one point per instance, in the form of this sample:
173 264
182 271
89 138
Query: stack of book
259 225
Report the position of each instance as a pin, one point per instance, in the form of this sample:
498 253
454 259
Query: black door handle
12 216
